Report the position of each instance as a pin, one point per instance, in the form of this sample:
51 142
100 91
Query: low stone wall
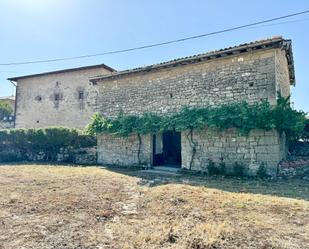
6 124
120 151
297 168
78 156
297 163
65 155
259 147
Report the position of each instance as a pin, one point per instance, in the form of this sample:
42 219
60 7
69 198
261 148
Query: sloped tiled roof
275 42
64 71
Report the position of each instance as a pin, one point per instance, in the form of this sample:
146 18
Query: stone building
58 98
249 72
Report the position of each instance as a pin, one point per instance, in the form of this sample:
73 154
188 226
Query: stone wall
297 163
36 106
85 156
251 77
266 147
81 156
247 77
259 147
282 73
124 151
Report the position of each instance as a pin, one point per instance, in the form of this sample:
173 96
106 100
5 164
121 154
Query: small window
57 97
80 95
38 98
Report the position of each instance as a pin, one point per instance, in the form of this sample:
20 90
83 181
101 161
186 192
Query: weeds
238 169
262 172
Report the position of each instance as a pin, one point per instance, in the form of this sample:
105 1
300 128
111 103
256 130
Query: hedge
19 143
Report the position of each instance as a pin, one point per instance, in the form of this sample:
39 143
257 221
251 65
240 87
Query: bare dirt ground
86 207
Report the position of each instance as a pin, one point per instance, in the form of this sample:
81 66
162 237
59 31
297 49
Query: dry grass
65 207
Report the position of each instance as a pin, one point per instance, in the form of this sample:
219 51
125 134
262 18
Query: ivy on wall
242 116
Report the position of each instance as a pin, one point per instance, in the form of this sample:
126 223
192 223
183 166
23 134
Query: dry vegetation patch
87 207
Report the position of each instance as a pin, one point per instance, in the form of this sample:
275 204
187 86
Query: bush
212 169
305 135
6 156
216 170
84 141
48 141
222 168
262 172
239 169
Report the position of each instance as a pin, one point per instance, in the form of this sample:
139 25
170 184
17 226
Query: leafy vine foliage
242 116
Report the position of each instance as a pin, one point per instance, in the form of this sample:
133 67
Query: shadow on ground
291 188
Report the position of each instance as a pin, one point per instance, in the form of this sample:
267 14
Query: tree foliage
5 109
243 116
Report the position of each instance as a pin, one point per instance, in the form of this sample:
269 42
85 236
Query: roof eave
277 42
287 46
15 79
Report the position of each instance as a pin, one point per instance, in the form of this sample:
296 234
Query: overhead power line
155 44
279 23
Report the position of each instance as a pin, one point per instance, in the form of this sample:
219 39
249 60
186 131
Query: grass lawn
87 207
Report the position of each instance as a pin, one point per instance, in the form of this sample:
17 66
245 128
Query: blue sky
44 29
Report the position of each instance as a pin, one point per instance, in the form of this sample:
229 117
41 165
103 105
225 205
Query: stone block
268 140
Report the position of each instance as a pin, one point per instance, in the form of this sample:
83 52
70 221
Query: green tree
5 109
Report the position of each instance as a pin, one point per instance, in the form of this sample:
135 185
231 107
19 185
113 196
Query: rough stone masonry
250 72
58 98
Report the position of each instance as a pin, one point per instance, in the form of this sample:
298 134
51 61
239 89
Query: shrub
222 168
262 172
239 169
212 169
305 134
7 156
84 141
48 141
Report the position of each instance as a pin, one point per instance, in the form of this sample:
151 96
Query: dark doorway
167 149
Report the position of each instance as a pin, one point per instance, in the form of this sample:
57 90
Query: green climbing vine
193 145
242 116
